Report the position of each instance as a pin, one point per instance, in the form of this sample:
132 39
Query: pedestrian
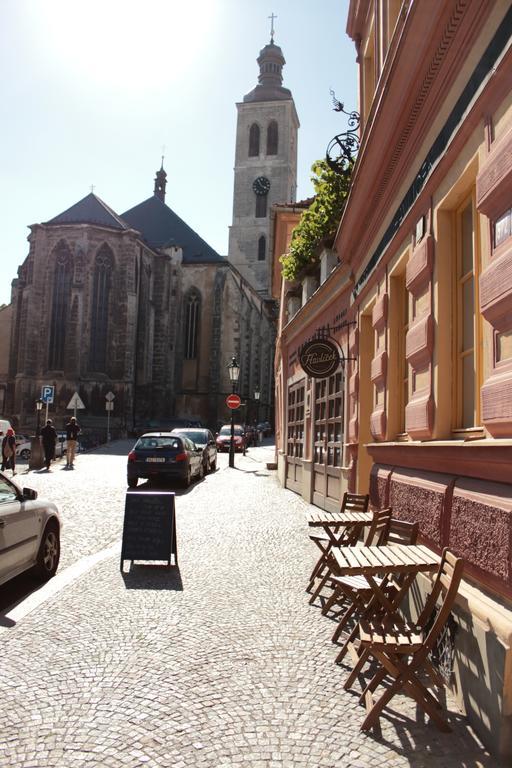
49 435
260 436
9 451
72 431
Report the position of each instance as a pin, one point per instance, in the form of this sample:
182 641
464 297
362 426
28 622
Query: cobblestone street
221 664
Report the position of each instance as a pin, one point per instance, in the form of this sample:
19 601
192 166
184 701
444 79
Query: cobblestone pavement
221 664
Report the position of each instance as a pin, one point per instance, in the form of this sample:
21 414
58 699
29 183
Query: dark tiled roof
161 227
90 210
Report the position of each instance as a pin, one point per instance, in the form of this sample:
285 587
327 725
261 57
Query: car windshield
156 443
227 431
196 435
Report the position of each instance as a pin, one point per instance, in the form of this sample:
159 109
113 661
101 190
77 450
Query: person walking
72 431
49 435
9 451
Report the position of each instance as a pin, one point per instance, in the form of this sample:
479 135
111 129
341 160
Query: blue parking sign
47 393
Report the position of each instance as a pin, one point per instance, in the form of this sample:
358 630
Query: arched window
192 317
272 138
262 246
254 140
261 206
102 281
61 300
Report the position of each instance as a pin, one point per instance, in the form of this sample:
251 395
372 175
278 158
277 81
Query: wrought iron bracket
342 149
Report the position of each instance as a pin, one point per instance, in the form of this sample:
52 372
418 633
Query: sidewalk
221 664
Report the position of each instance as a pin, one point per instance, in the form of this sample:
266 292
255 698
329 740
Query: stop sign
233 401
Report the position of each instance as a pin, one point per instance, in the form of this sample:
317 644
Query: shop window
466 330
295 438
328 423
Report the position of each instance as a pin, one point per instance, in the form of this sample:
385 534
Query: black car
204 439
163 455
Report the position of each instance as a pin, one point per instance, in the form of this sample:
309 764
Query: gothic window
61 300
261 248
192 313
272 138
261 206
254 140
102 281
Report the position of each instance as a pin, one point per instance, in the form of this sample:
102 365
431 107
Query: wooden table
404 560
352 524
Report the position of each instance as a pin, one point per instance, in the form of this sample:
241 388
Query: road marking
58 583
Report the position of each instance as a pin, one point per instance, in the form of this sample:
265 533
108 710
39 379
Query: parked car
29 532
164 455
204 439
223 439
23 448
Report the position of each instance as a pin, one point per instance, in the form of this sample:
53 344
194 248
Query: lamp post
257 398
36 451
234 373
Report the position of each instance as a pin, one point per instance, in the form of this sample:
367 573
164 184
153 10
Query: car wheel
49 553
132 482
25 453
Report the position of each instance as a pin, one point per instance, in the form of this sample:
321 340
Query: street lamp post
234 373
257 398
36 450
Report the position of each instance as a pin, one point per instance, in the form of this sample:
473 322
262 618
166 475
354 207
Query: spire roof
270 79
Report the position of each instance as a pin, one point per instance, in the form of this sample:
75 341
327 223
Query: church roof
161 227
90 210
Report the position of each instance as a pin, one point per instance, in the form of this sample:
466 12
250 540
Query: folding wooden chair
377 534
402 649
352 502
357 592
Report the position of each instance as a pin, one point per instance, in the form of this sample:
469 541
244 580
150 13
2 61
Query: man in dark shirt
72 432
49 436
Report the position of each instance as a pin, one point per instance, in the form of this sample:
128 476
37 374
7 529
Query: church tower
265 167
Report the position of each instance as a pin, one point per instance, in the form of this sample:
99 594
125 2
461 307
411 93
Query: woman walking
9 451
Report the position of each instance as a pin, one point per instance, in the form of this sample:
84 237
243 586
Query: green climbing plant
320 221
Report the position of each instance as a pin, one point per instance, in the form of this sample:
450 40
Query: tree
320 221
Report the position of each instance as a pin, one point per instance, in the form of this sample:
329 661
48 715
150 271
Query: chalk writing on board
149 530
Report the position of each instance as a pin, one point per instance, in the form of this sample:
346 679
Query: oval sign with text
319 358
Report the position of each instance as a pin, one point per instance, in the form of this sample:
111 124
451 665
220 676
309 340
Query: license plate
154 459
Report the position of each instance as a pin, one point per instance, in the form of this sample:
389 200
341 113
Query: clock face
261 185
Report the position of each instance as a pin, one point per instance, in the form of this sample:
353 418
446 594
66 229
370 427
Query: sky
93 92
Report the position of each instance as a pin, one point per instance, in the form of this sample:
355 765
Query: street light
234 373
39 408
257 398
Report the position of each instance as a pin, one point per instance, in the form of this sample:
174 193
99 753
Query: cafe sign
319 358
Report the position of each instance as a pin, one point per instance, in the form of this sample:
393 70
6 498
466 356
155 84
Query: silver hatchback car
29 533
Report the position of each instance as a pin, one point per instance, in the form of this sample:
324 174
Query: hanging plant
320 221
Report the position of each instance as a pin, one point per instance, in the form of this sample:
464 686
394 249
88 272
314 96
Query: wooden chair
402 649
377 534
352 502
356 590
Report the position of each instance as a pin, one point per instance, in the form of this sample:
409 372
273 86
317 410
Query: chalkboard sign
149 529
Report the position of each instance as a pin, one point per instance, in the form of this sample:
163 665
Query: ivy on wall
320 221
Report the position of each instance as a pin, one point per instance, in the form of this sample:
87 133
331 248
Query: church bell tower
265 167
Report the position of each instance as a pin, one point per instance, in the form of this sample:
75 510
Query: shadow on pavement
153 577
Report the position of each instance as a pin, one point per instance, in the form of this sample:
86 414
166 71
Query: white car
23 449
29 533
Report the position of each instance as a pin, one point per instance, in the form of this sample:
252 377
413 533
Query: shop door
328 442
295 437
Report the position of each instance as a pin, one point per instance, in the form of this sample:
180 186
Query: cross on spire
272 17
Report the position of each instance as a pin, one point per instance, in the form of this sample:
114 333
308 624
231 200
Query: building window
404 365
465 322
328 426
102 281
262 245
61 300
272 138
295 440
261 206
254 140
192 312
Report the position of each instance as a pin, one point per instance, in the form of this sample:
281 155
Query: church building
139 305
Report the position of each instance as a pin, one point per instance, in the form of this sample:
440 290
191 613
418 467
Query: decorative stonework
419 416
379 368
494 181
419 343
420 496
497 404
496 291
380 312
420 265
